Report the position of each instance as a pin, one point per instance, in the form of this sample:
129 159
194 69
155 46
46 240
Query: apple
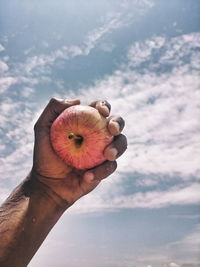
79 136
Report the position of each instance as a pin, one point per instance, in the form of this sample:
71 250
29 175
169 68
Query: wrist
40 186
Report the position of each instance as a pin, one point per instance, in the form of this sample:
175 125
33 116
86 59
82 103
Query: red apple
79 136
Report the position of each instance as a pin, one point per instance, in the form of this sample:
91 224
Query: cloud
187 195
17 141
3 66
102 201
107 47
185 250
2 48
127 4
41 63
181 253
109 23
161 110
6 82
94 36
27 91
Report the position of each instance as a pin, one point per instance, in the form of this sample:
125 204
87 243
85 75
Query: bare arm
37 203
26 218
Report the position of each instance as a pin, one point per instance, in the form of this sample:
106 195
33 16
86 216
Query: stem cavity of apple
78 139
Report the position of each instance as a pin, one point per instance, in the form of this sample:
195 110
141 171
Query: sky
143 56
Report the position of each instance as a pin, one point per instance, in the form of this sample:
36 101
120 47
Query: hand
67 182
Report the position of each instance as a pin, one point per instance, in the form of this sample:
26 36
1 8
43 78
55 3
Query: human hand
67 182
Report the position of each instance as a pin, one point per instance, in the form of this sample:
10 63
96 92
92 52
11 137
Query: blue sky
143 56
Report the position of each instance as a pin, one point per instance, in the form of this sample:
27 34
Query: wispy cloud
3 66
161 109
7 81
158 199
114 22
41 63
184 251
174 196
109 23
2 48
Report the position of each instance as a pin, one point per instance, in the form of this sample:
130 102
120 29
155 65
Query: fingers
52 110
100 172
102 106
115 125
116 148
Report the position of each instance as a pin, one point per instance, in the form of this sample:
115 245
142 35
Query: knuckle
106 103
53 101
56 101
119 120
36 126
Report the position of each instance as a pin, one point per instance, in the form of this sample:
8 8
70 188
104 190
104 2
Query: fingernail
105 103
72 101
89 177
103 109
114 127
59 99
111 154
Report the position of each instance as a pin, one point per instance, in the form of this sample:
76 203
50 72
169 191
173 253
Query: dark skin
34 207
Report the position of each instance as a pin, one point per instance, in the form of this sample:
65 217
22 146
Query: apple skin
79 136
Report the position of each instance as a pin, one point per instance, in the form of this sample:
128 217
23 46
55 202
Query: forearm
26 218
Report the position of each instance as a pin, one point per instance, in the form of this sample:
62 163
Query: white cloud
102 201
2 48
172 264
109 22
185 250
27 91
17 131
190 242
161 111
93 37
3 66
173 254
107 47
6 82
42 62
141 52
158 199
28 51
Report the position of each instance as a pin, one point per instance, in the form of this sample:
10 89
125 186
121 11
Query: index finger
53 110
